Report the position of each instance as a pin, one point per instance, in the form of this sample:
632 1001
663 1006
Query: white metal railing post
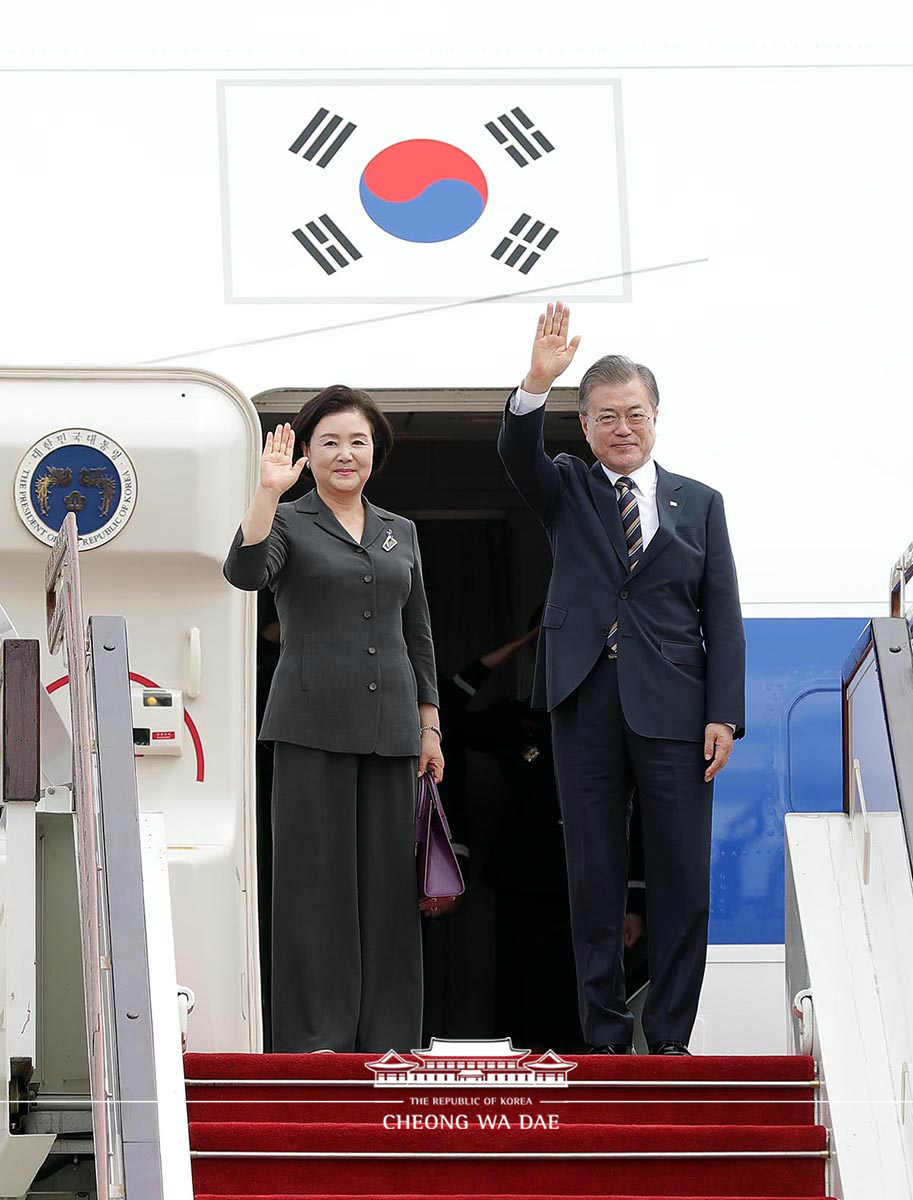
901 573
856 792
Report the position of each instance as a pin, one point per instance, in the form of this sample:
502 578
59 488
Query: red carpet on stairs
315 1126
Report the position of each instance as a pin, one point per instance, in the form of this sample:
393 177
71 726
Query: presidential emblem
79 471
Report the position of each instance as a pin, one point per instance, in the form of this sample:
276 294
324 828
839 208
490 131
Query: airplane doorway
501 964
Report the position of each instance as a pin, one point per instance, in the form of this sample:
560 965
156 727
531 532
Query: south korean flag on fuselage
421 191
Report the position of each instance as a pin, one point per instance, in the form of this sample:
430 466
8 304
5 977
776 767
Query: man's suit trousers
347 949
599 760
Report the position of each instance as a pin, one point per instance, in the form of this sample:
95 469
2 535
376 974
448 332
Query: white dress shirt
644 478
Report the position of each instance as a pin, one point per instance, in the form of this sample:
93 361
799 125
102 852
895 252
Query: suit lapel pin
674 503
389 541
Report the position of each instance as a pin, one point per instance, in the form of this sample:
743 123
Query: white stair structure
849 913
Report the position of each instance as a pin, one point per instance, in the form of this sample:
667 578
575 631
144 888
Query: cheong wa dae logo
487 1063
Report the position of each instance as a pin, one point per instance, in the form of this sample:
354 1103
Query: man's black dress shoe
669 1048
611 1048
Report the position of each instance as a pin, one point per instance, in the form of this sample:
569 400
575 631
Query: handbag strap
421 808
428 793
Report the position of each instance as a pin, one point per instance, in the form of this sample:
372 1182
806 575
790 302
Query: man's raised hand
552 353
277 472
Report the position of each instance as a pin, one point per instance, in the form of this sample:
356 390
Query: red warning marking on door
64 680
162 735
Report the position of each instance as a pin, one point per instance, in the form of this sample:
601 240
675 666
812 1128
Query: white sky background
771 142
281 34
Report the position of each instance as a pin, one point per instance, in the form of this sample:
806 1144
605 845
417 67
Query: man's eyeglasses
635 420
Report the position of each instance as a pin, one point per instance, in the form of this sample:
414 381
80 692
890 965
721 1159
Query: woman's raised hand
277 471
552 352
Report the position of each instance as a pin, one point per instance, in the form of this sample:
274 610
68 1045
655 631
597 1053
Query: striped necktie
630 521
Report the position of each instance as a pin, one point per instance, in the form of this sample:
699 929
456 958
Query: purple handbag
440 879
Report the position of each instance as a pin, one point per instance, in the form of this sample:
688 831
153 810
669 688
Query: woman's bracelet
432 729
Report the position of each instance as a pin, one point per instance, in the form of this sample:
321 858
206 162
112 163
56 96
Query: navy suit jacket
681 648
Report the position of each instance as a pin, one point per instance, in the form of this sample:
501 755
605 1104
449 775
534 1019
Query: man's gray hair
615 369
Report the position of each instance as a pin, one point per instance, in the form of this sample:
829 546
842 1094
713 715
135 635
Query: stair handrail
115 959
66 632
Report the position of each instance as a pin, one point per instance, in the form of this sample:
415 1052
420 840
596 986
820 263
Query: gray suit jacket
356 656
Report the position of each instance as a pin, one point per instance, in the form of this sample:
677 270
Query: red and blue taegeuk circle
423 191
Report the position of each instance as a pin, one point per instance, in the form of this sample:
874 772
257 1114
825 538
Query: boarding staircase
320 1126
313 1125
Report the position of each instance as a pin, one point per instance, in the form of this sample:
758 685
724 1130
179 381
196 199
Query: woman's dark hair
339 398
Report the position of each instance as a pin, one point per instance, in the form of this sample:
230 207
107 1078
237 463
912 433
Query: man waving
641 663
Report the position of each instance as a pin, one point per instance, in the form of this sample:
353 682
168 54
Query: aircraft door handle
196 664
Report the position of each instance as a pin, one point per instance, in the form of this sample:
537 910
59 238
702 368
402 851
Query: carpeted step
359 1138
529 1181
652 1160
596 1105
656 1096
479 1196
745 1068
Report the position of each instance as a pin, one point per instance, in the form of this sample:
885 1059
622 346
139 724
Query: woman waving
353 716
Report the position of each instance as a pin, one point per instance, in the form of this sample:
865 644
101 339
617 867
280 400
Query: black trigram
516 134
317 133
326 242
522 245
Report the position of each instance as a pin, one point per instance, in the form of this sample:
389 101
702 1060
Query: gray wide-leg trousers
347 948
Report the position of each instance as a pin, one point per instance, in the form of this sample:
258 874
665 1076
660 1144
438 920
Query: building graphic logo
80 471
487 1063
429 189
